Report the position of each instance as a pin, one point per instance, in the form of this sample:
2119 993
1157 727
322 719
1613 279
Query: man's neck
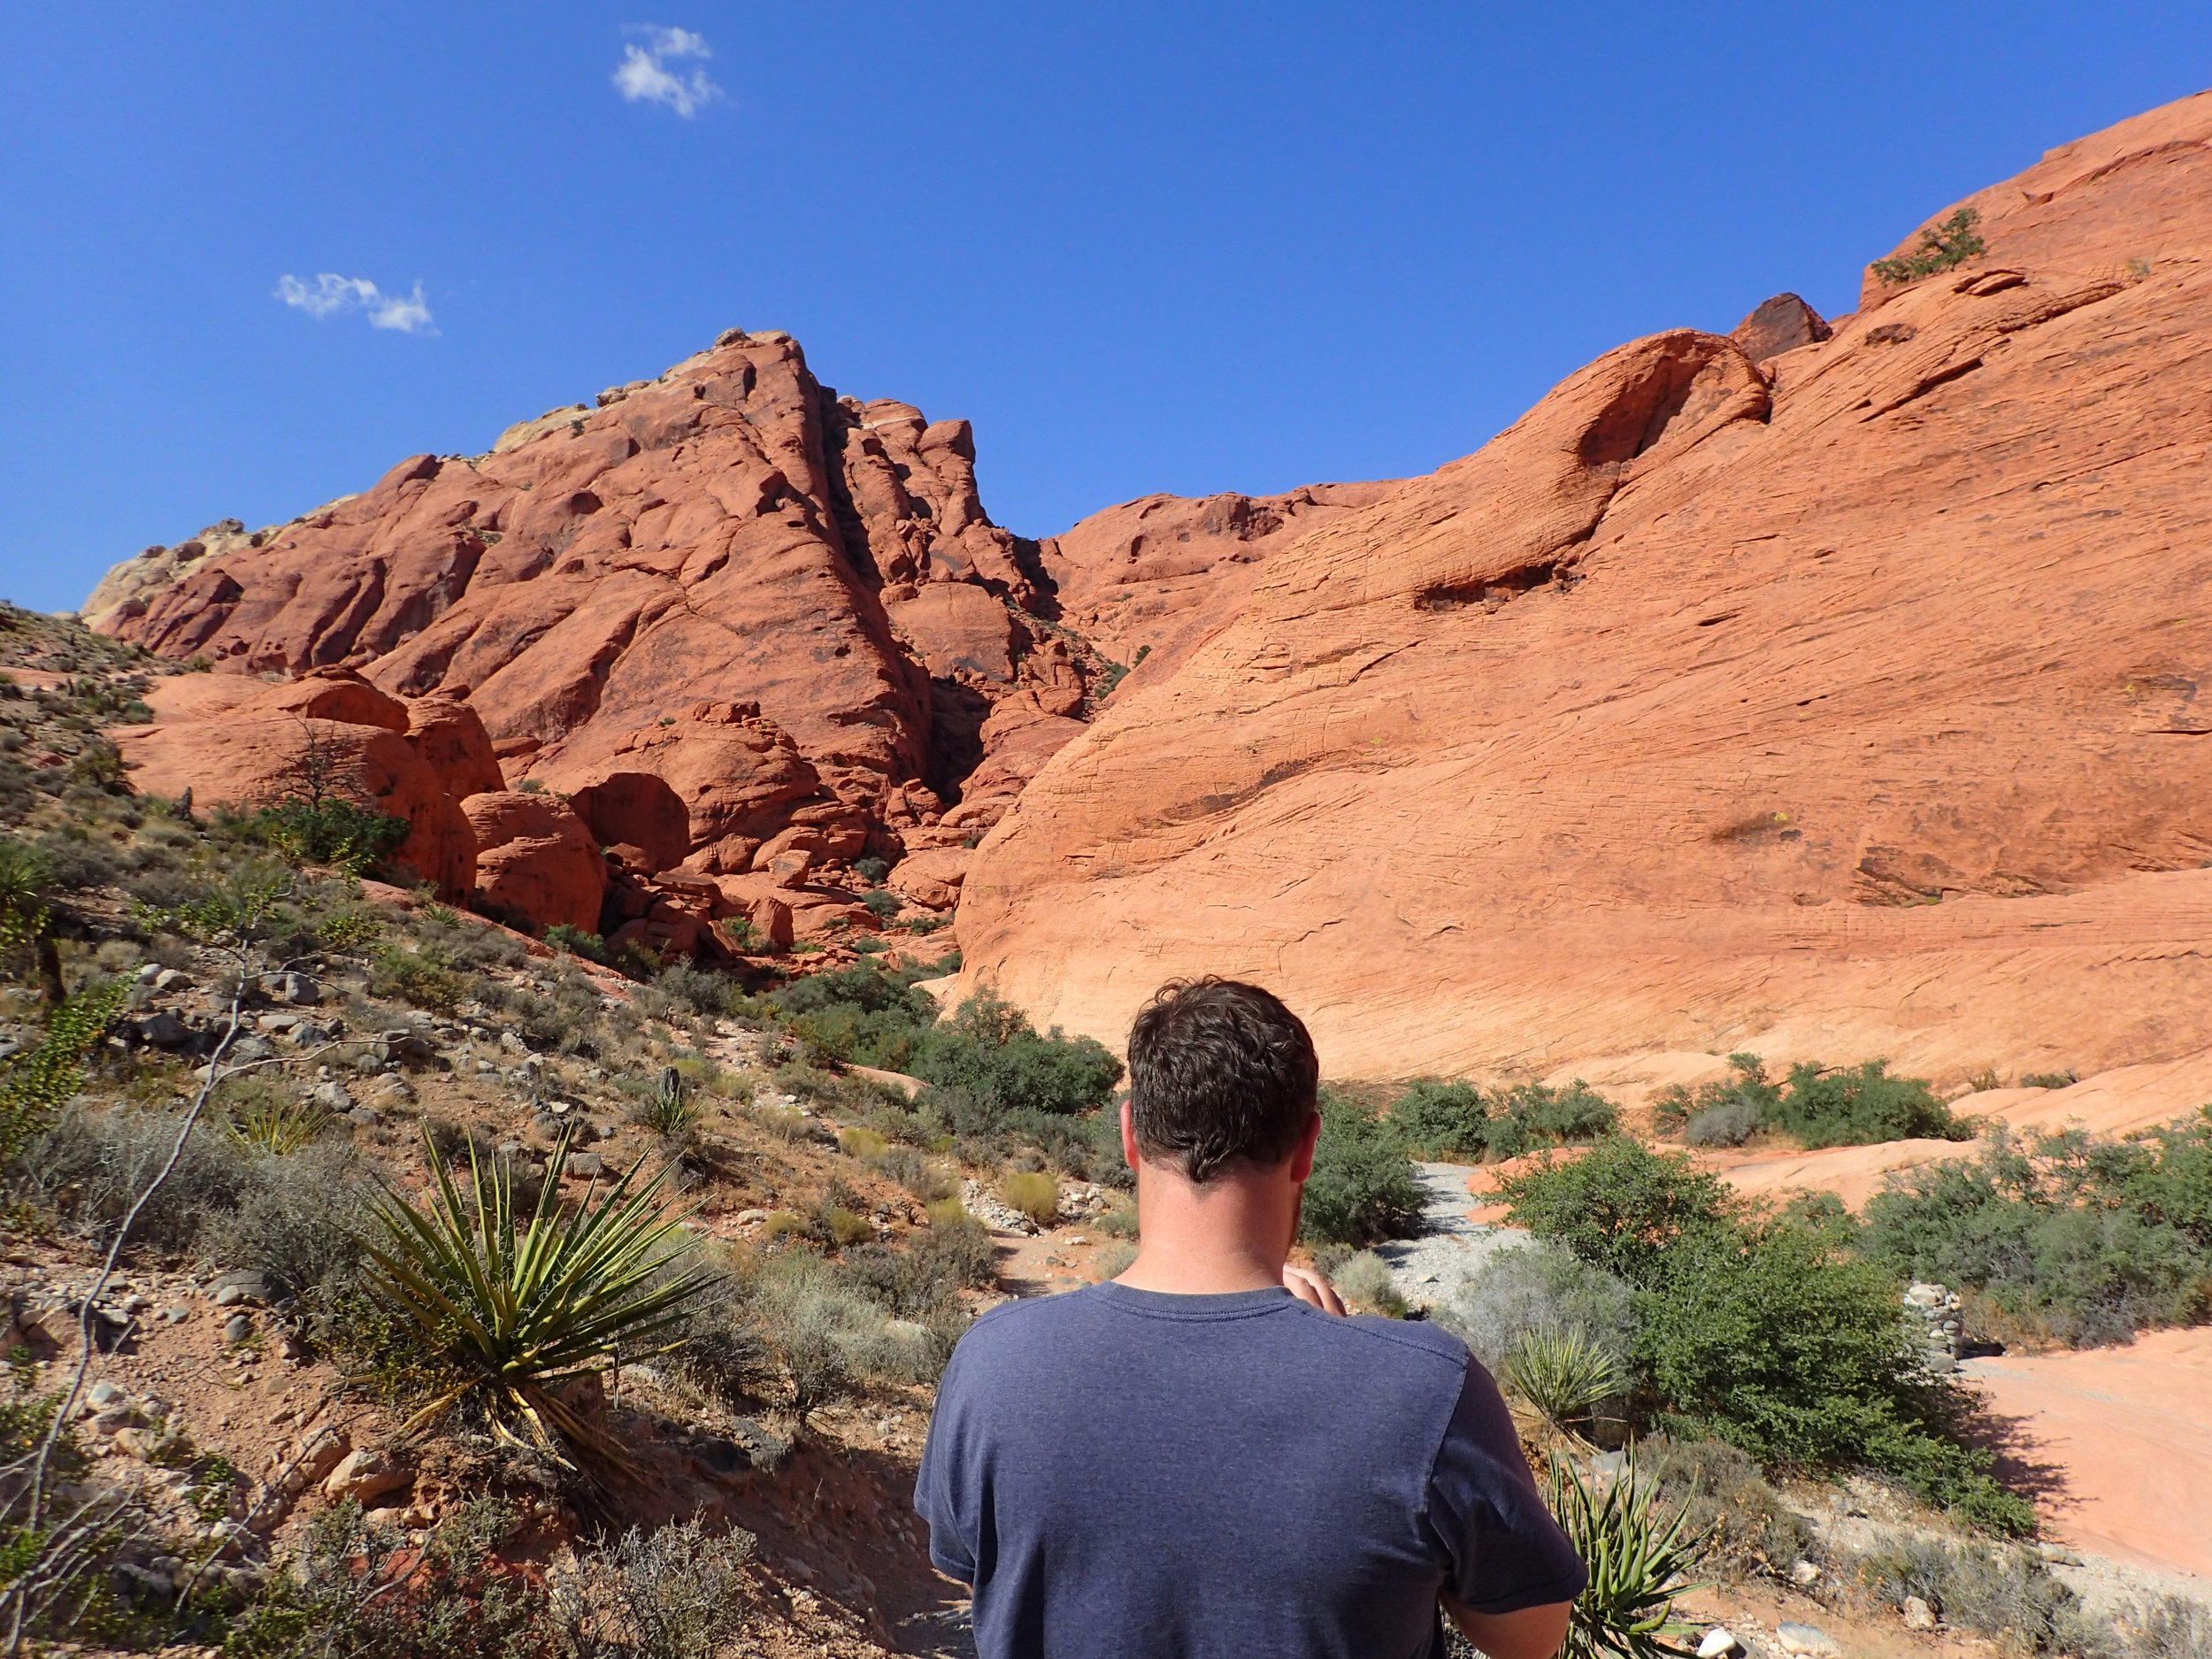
1233 1233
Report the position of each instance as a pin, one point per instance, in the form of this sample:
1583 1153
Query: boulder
932 876
364 1474
1781 324
536 857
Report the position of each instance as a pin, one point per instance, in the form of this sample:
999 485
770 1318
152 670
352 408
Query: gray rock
584 1165
175 1315
101 1395
238 1327
147 973
244 1284
1804 1575
365 1116
332 1096
249 1049
1808 1639
277 1025
164 1030
1719 1643
173 979
1918 1615
296 989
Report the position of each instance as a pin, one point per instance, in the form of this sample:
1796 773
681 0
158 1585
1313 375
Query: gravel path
1451 1248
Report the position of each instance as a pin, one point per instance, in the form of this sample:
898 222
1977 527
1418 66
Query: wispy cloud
643 75
331 293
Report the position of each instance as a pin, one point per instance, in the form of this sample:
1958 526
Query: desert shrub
990 1051
1531 1115
1438 1118
709 994
1117 1223
1773 1336
1821 1106
1036 1194
419 978
299 1218
2162 1627
1950 242
928 1181
860 1015
2006 1592
1563 1374
924 1279
1767 1331
349 1587
1751 1526
1540 1286
883 903
37 1082
829 1338
1619 1206
573 941
90 1167
267 1116
1362 1189
1849 1106
2049 1080
678 1591
2079 1239
669 1111
1084 1146
1363 1280
1728 1125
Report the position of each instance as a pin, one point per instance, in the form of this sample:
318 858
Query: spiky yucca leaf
279 1126
1636 1556
520 1309
1562 1374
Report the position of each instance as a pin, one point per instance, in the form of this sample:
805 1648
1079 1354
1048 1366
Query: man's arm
1533 1633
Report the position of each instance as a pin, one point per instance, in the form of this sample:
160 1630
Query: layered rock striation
1826 689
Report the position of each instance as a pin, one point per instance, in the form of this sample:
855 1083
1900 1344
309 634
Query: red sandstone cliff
1845 700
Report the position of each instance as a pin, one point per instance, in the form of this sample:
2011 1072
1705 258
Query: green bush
1362 1189
2081 1240
1751 1526
1768 1331
1943 246
37 1082
1620 1206
1438 1118
1861 1107
1364 1281
990 1051
331 831
1530 1116
859 1015
1821 1106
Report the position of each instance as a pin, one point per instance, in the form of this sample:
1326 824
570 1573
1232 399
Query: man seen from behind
1206 1456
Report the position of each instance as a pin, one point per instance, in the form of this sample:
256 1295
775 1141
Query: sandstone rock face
1158 575
1839 705
721 605
535 857
236 741
1782 323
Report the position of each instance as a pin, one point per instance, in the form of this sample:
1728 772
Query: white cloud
407 313
643 75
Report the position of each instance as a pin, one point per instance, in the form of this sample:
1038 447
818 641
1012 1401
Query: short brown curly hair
1220 1072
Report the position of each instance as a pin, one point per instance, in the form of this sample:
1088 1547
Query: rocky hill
1841 697
751 631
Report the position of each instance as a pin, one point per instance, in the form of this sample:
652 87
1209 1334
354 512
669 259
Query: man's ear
1129 1136
1301 1159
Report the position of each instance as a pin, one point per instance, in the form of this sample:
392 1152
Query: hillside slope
1845 702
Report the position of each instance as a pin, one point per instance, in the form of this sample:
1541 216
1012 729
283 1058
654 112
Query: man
1205 1456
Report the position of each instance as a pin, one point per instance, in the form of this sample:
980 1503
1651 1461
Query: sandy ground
2120 1440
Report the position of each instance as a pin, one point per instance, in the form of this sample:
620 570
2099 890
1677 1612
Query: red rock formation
1840 705
535 858
247 743
724 604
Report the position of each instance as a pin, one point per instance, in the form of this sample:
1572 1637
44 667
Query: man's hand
1310 1286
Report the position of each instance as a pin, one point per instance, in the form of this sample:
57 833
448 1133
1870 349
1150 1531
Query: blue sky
1143 247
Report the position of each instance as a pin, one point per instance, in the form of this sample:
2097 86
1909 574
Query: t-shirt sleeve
1502 1551
944 1493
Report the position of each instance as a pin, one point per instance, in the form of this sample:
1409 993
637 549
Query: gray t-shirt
1122 1472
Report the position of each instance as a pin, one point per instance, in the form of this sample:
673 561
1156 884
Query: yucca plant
519 1306
669 1111
1637 1556
1562 1374
276 1125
